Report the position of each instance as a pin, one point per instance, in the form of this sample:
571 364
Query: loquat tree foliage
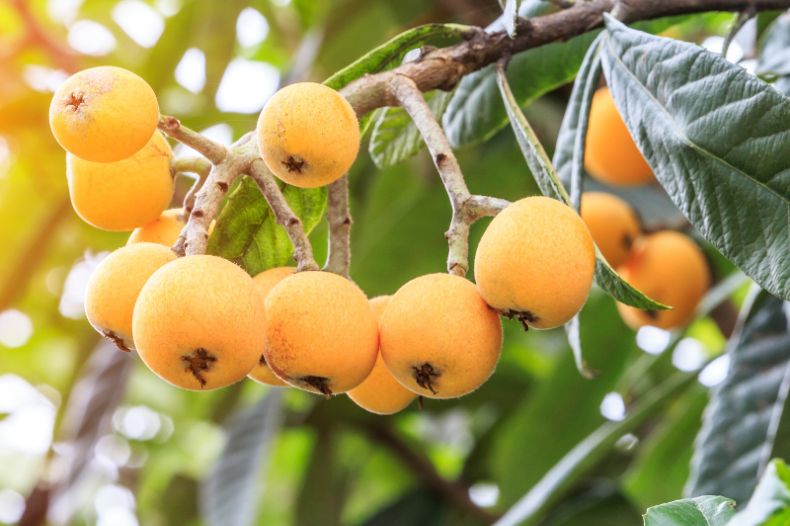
516 305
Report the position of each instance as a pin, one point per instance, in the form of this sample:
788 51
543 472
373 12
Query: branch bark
303 251
444 67
213 151
339 217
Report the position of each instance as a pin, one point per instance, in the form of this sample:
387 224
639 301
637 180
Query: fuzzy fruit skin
670 268
126 194
380 393
114 286
201 311
440 320
536 260
319 325
308 135
611 156
103 114
163 230
613 224
265 282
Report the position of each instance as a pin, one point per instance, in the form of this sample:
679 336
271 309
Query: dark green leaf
770 503
229 494
324 487
417 507
718 140
247 233
395 137
569 150
390 53
735 430
549 183
699 511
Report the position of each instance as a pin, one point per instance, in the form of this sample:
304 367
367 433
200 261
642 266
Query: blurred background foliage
88 435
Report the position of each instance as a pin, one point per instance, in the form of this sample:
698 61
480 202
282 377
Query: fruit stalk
338 216
211 150
303 251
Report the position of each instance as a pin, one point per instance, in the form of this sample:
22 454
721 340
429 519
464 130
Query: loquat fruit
611 156
536 261
164 230
612 223
321 334
439 338
103 114
669 267
308 135
380 393
197 323
265 282
114 286
124 194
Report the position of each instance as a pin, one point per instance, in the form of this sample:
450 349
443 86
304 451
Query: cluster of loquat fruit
201 322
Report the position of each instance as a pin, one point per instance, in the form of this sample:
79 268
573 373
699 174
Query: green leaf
395 137
325 485
549 183
734 434
247 233
700 511
229 494
569 150
392 52
718 140
770 504
585 455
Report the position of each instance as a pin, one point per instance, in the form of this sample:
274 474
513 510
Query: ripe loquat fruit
439 338
114 286
669 267
163 230
613 224
611 156
321 334
380 393
103 114
197 323
125 194
265 282
535 261
308 135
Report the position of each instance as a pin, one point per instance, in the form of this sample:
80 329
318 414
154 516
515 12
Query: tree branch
198 166
338 259
213 151
444 67
466 208
303 251
454 492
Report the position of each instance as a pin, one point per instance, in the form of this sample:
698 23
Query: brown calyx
117 340
294 164
319 383
198 362
627 241
425 375
75 101
525 317
262 361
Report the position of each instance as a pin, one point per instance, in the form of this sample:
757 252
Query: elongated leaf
770 504
395 137
530 508
549 183
247 233
390 53
700 511
569 150
229 494
718 140
734 434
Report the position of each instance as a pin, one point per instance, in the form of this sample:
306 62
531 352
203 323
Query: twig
466 208
338 216
198 166
303 251
454 492
743 18
213 151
